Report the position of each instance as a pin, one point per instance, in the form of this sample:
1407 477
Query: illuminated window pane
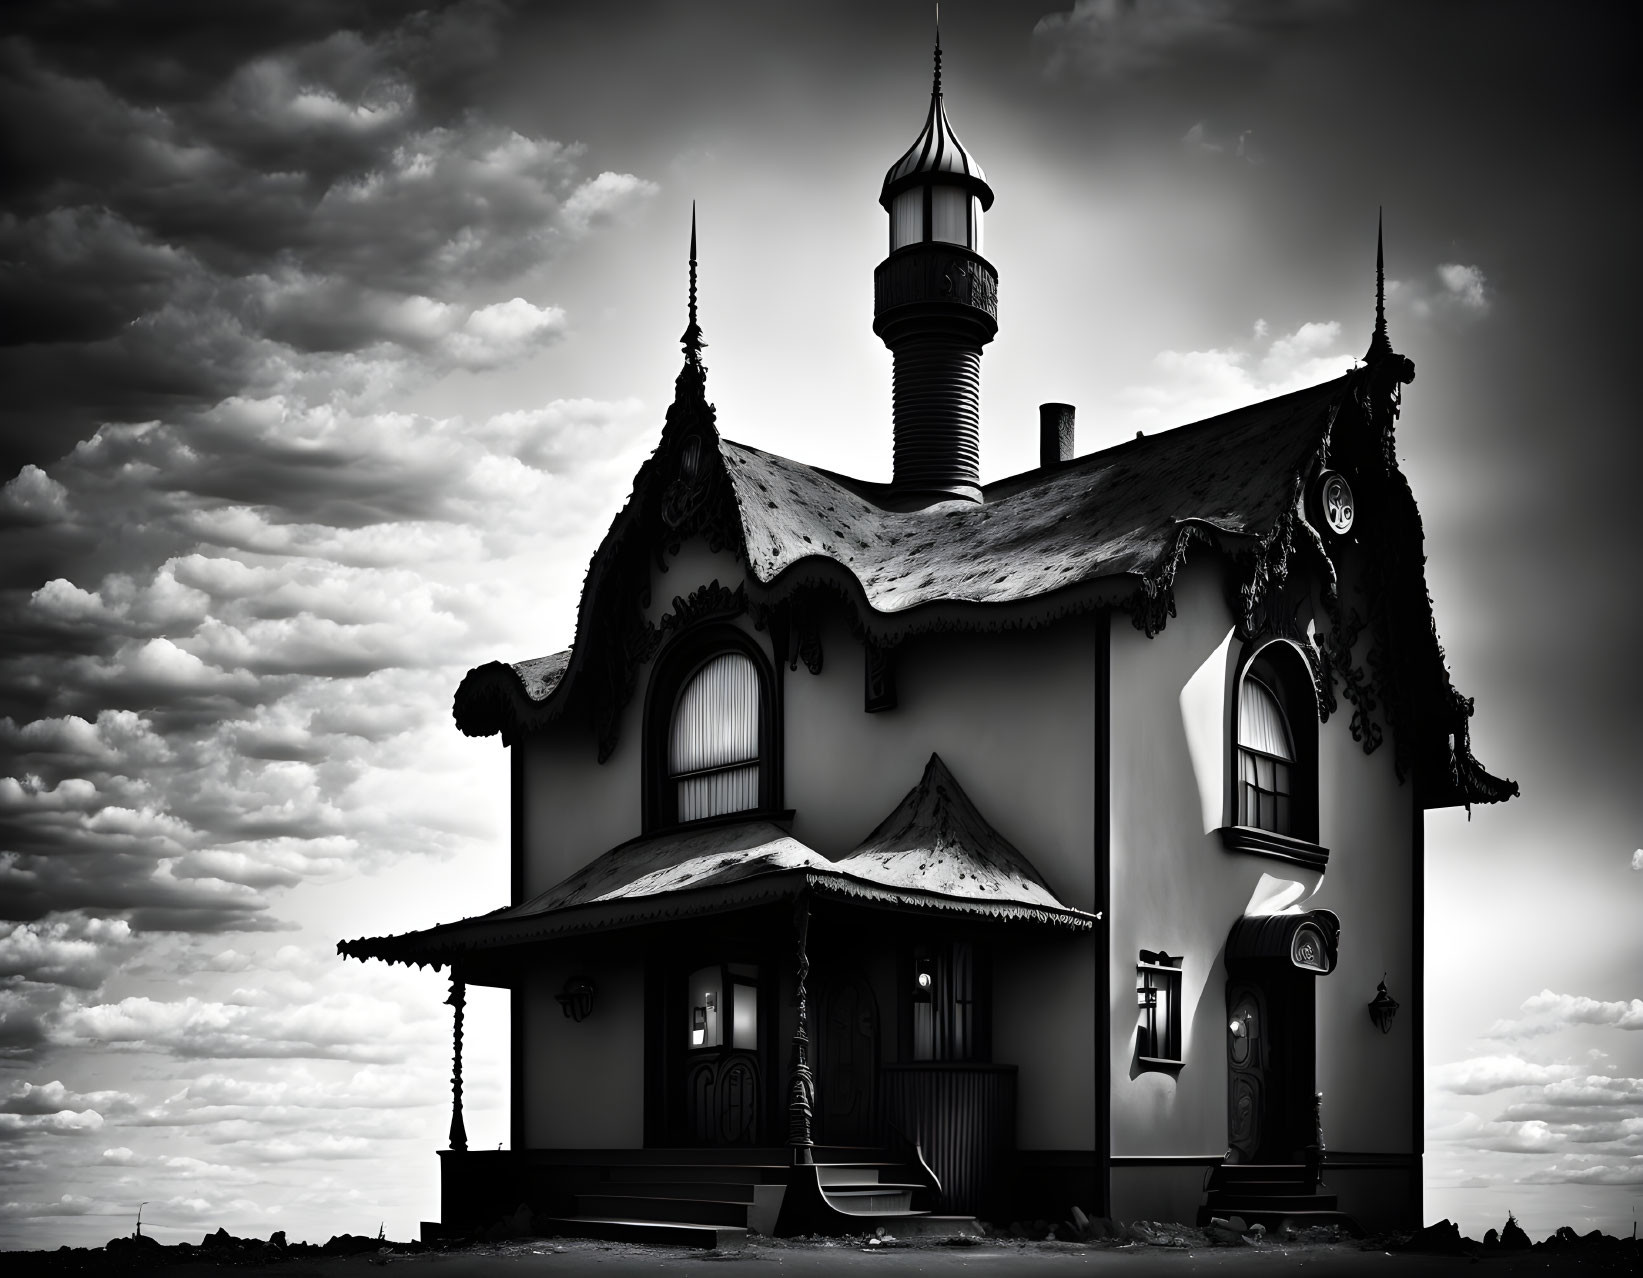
744 1018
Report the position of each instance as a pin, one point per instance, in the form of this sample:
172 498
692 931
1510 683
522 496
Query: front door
1271 1067
848 1058
722 1070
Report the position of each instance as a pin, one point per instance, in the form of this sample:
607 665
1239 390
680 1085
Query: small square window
1158 1011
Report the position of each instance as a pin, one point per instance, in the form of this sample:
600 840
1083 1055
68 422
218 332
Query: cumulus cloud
1191 385
64 949
186 237
1547 1012
1454 291
341 1026
1637 859
1482 1075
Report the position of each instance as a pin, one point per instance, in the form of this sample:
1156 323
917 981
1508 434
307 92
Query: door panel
849 1054
1246 1071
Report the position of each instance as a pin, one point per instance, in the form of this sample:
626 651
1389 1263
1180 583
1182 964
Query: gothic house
890 852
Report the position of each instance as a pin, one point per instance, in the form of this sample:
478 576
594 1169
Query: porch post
801 1088
459 1133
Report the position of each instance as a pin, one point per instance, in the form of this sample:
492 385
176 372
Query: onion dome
936 175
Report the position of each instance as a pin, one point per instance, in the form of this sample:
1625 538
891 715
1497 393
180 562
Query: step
872 1200
746 1155
849 1173
1260 1171
714 1173
667 1233
1223 1201
698 1211
727 1191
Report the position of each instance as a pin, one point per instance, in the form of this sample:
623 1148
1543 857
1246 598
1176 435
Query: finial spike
937 89
1379 344
692 339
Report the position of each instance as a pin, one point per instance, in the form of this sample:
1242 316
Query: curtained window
713 743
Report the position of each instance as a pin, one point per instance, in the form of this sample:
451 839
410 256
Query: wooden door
1247 1079
846 1091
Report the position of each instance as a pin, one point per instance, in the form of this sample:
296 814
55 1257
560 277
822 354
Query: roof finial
937 89
692 340
1379 343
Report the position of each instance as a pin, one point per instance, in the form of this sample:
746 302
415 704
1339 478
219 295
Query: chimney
1055 433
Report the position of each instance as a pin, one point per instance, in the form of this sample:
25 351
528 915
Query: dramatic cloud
186 235
1113 40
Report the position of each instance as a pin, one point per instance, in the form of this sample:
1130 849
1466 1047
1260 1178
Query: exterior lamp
1382 1008
577 998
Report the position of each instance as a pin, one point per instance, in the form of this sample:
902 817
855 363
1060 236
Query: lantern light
1382 1008
577 998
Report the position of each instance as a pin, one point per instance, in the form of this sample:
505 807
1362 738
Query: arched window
713 742
1272 795
1266 758
711 728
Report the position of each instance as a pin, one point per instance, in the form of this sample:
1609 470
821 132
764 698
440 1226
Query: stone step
849 1173
872 1200
726 1191
1225 1201
668 1233
716 1173
701 1211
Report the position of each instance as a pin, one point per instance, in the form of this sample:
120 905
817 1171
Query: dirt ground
770 1258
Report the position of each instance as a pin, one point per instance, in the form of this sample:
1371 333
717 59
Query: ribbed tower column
935 305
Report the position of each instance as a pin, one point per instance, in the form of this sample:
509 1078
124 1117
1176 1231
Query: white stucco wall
1174 887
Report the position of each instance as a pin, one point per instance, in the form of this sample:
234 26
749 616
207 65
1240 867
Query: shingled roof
1108 530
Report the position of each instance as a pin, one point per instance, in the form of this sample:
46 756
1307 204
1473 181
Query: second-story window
713 744
1266 758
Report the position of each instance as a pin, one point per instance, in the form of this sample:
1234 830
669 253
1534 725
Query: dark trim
1297 693
1167 1160
1280 847
674 666
516 1068
1353 1160
516 820
1417 1005
1101 792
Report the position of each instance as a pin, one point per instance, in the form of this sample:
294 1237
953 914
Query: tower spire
1379 344
692 339
936 87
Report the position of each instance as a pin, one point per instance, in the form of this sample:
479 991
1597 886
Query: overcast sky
334 333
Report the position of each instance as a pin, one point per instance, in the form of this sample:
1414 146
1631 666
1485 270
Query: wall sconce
577 998
1382 1008
1242 1026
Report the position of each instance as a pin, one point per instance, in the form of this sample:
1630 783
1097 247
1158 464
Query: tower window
949 214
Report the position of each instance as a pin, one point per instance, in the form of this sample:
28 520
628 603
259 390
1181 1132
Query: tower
935 305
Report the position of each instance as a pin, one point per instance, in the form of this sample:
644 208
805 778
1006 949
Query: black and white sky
332 336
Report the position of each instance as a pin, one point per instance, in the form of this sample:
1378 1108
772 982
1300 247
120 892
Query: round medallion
1339 507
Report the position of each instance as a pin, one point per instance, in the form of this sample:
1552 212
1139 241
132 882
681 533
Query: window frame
1284 669
1159 1048
675 666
